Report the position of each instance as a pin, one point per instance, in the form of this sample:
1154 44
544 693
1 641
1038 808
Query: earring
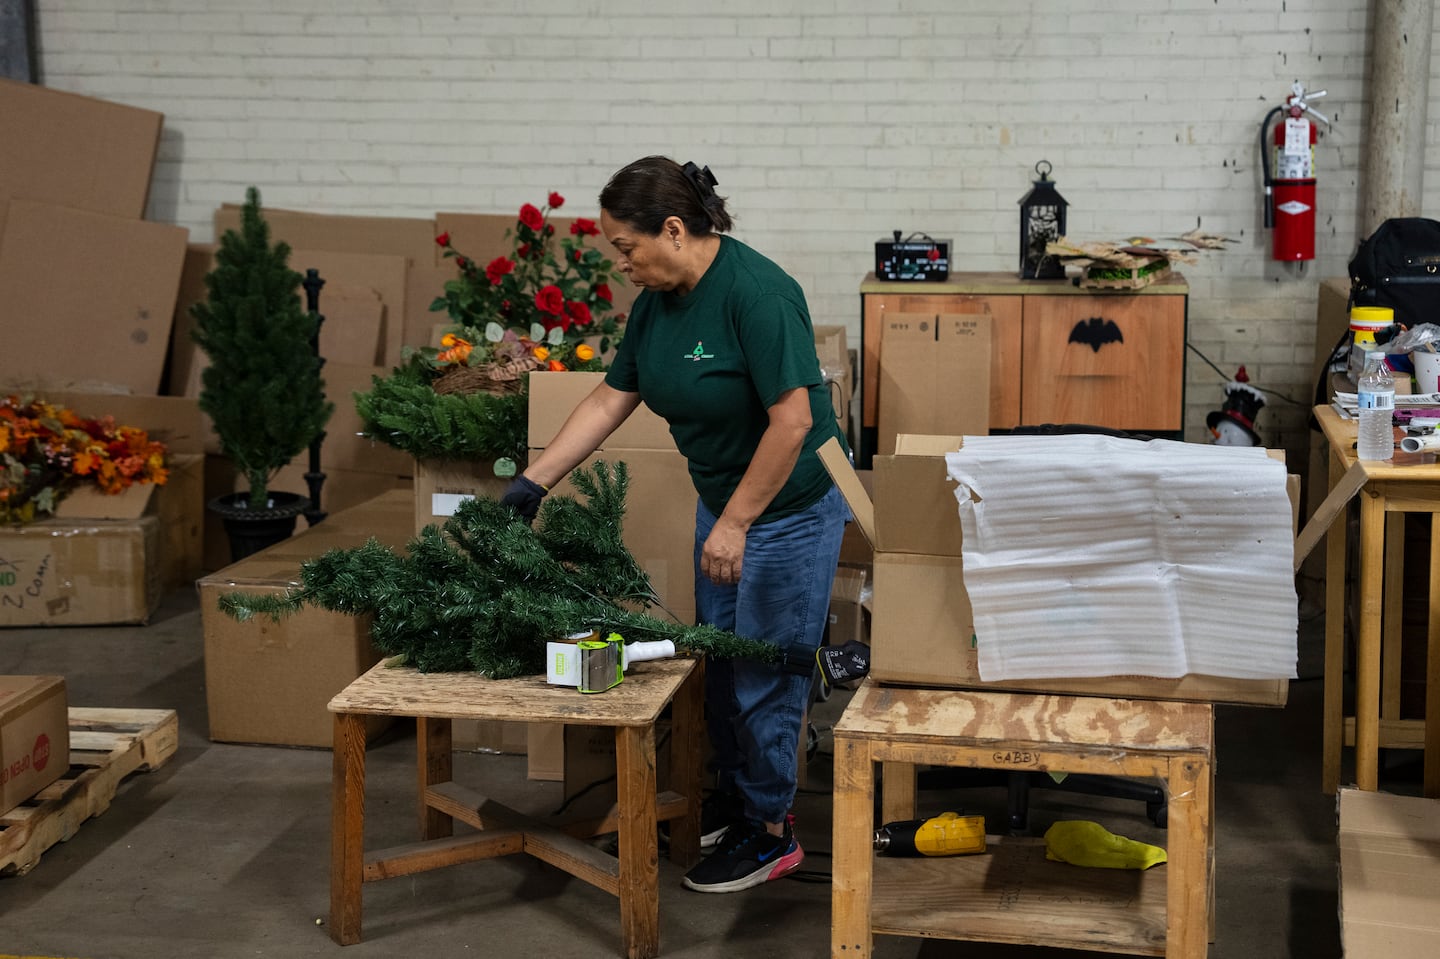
677 244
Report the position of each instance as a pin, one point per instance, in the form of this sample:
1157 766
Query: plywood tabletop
404 691
899 714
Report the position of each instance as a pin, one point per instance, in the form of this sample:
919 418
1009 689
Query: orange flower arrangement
46 451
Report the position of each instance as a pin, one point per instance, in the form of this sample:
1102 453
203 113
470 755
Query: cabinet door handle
1095 332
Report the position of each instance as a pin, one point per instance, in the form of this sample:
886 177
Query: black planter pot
251 530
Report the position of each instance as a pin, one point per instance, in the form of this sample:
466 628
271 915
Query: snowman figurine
1234 423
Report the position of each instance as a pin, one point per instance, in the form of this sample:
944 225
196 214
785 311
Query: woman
720 344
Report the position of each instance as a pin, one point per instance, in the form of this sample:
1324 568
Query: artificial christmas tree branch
487 591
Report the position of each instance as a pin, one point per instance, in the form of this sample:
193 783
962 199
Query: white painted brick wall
828 122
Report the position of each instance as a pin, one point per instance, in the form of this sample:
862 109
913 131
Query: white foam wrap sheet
1094 555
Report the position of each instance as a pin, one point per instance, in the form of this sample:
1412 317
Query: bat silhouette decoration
1096 332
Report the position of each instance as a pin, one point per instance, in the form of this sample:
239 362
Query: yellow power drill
948 834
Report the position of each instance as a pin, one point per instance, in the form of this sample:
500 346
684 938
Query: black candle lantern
1042 220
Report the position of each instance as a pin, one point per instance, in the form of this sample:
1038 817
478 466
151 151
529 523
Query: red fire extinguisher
1290 189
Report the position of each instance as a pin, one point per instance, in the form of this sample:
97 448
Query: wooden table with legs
1410 483
1011 893
435 699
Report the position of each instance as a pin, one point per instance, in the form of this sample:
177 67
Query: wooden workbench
1011 893
435 699
1410 483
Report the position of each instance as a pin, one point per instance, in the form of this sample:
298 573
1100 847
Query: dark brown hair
645 193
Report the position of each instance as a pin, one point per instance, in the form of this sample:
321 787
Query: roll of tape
1416 444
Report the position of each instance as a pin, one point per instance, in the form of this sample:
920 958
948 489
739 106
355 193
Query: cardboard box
65 572
837 367
553 396
112 327
34 736
922 628
442 485
1389 870
75 151
935 376
848 619
660 536
268 682
179 505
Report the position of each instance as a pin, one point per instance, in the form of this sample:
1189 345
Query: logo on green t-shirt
699 353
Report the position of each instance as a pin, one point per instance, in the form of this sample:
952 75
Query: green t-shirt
711 363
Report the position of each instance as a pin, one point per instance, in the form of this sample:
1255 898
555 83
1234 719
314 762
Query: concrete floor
224 851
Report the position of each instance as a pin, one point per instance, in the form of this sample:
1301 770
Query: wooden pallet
106 745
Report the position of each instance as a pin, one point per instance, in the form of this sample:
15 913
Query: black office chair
1018 785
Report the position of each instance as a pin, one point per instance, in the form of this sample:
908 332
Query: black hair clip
703 180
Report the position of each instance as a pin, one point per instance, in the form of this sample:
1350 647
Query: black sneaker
747 856
718 812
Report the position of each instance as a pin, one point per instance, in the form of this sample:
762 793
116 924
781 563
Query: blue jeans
754 711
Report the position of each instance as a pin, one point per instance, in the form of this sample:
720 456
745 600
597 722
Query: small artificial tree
262 389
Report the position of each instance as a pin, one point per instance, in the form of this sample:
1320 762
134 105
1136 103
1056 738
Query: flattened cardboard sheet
75 151
89 294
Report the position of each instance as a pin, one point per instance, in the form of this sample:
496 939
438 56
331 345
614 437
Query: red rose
497 268
549 229
550 300
443 239
584 227
556 201
579 312
602 291
463 263
523 252
577 256
531 217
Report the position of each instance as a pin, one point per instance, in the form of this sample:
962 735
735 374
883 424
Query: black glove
523 495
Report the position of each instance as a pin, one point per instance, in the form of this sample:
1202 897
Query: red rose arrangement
47 451
534 308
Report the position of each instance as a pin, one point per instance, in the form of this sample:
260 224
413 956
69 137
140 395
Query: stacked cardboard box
34 736
269 682
107 559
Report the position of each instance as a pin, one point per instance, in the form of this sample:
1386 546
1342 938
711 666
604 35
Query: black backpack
1396 266
1399 266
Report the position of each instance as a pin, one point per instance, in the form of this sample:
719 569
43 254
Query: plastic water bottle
1377 406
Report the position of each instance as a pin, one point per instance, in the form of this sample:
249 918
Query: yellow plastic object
948 834
1083 843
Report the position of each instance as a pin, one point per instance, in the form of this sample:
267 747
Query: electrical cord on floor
1227 378
812 875
660 743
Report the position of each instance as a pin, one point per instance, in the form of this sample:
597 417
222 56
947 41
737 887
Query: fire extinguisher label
1293 207
1297 136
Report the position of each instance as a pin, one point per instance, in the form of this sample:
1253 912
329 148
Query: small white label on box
445 504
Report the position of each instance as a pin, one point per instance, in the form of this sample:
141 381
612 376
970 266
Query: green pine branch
486 591
404 411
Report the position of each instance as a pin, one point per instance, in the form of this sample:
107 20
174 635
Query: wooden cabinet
1059 354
